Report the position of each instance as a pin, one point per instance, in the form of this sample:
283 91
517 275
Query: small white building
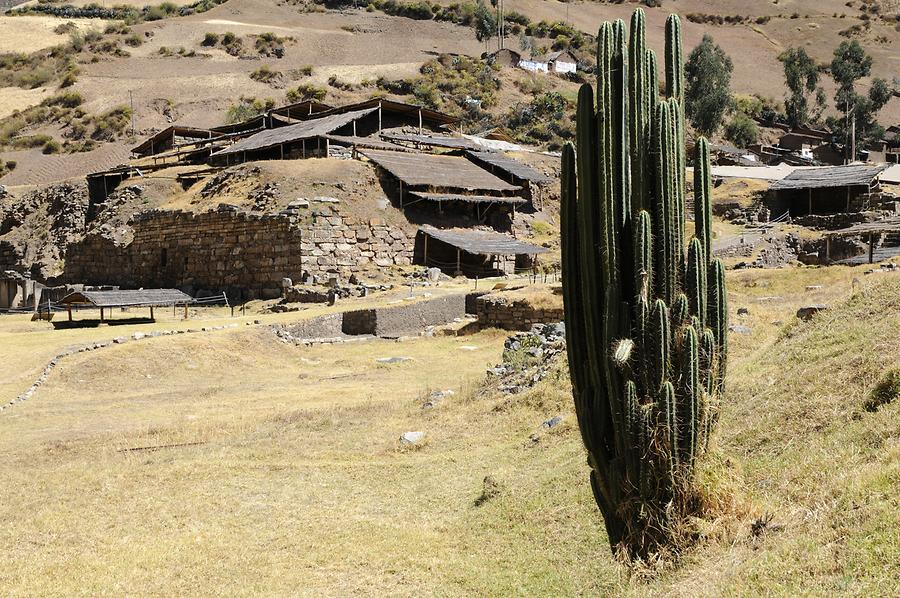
535 66
562 62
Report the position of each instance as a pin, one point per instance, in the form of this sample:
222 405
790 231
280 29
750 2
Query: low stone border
119 340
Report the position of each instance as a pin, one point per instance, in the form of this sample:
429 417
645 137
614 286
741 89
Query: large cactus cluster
645 308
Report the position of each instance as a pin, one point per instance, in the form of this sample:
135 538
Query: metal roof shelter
301 110
830 176
169 137
482 242
829 190
431 141
308 129
866 229
513 168
438 172
476 243
369 143
129 298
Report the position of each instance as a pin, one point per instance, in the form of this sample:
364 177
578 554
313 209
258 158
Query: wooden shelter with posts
447 181
106 301
882 238
475 253
828 190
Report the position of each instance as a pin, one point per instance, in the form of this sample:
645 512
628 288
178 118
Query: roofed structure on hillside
829 190
562 61
172 137
429 172
282 142
519 172
475 252
255 123
301 110
391 114
431 141
874 233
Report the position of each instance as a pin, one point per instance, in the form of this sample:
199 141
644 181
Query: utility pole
131 99
853 139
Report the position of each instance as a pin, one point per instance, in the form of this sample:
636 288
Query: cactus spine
646 321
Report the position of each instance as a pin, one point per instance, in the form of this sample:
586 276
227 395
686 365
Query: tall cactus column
646 316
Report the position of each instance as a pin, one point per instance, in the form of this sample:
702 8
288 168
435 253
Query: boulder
806 313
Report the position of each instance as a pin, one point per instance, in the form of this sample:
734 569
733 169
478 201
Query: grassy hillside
299 486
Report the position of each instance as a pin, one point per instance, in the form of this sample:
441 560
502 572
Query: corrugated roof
428 116
467 198
303 130
510 166
883 226
830 176
369 142
137 298
449 172
482 242
172 131
433 141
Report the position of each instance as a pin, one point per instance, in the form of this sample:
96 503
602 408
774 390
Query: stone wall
332 242
497 311
244 254
405 319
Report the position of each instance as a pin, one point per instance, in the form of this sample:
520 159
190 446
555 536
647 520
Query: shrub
210 39
67 99
265 74
52 146
247 108
64 29
11 165
886 390
741 130
111 123
134 40
306 91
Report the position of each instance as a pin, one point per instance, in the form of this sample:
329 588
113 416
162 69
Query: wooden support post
458 260
354 128
304 148
379 117
810 203
828 250
185 311
848 198
327 147
318 147
425 251
101 315
401 195
69 309
420 121
151 313
281 147
871 248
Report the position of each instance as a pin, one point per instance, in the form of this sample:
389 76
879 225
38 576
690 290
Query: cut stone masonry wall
228 250
496 311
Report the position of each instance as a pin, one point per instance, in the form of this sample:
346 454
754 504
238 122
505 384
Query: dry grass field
287 477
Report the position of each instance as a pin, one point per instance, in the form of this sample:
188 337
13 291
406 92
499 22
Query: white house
562 62
534 66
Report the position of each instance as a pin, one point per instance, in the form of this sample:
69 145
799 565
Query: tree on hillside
741 130
708 86
485 23
850 64
802 77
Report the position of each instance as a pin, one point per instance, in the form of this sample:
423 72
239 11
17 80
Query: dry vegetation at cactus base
291 481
